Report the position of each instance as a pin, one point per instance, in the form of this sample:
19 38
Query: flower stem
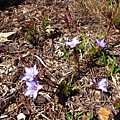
76 60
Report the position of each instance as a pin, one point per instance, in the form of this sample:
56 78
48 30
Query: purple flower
30 73
32 89
101 84
101 43
75 41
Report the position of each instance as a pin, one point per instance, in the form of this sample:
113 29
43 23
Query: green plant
76 117
113 70
67 86
29 28
66 53
102 59
96 54
44 26
80 87
30 37
73 46
90 117
83 47
71 117
117 105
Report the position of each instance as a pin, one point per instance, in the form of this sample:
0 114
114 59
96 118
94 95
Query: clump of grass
117 103
99 8
31 31
107 10
71 117
114 70
44 26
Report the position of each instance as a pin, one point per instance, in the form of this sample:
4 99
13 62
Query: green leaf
91 116
104 58
77 87
68 116
108 75
80 113
100 36
117 104
112 66
117 70
67 91
66 53
117 20
44 26
81 46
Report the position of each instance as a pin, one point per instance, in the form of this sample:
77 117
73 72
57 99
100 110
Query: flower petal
68 43
30 84
29 88
102 82
103 89
35 70
28 70
39 87
76 40
73 42
101 43
94 80
27 78
35 94
27 93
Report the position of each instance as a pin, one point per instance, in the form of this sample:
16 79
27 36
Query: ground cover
60 60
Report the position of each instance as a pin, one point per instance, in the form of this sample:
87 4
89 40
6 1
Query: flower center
35 88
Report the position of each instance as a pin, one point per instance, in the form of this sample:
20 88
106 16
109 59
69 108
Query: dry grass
100 8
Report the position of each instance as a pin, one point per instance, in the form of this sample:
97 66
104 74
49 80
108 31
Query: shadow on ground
4 4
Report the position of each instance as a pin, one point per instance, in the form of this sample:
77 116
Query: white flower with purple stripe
101 84
32 89
30 73
73 43
101 43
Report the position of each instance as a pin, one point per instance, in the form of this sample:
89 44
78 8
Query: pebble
7 70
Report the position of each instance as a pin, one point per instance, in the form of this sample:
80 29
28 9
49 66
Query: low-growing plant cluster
78 48
74 50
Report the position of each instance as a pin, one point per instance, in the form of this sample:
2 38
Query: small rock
21 116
